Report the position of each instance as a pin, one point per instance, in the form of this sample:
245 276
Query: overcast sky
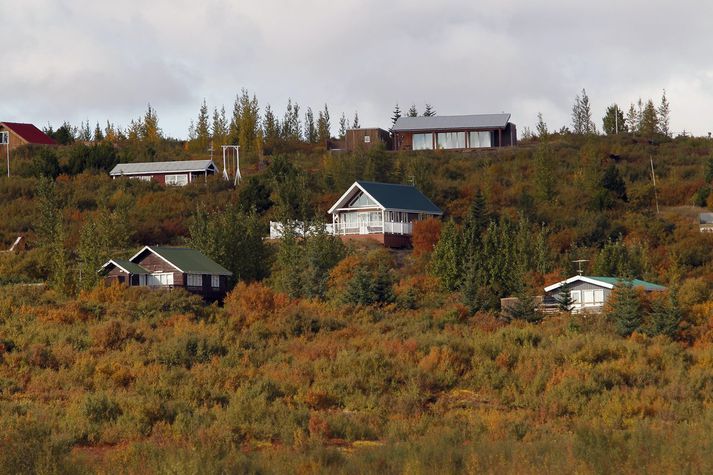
96 60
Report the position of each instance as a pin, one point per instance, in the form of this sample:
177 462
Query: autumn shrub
425 235
249 303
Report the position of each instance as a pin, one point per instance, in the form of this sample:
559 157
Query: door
363 219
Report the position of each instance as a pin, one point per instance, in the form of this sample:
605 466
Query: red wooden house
178 173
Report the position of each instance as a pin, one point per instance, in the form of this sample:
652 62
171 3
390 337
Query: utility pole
5 139
653 177
616 119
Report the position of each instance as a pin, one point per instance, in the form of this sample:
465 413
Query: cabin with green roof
384 212
589 293
168 268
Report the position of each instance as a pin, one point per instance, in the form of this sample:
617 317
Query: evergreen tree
664 116
232 238
98 134
429 111
249 137
151 132
50 234
235 119
395 115
544 174
271 127
541 127
564 298
649 120
322 251
625 309
709 170
412 112
324 127
310 127
342 126
220 127
542 252
665 317
446 258
613 121
291 127
475 224
611 180
202 129
355 122
582 115
289 262
525 308
632 119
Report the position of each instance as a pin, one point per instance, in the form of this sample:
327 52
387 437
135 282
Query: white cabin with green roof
590 294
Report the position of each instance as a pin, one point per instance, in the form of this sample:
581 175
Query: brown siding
15 142
396 241
354 139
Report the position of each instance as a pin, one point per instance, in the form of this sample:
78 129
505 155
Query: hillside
332 358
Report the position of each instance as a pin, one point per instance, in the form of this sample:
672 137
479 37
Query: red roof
29 133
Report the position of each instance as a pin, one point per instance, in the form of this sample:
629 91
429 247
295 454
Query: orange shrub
425 235
249 303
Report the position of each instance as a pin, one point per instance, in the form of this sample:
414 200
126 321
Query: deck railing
337 229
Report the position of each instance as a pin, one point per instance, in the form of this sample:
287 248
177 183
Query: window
367 139
4 137
215 281
361 201
588 297
194 280
451 140
599 297
480 139
576 297
177 180
141 177
422 141
160 279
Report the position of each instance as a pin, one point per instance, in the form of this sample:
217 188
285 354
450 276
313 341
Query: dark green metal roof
648 286
128 266
402 197
190 261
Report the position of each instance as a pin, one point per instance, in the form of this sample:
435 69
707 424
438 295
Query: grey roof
403 197
181 166
705 218
447 122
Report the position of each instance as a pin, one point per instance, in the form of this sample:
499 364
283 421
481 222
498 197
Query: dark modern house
178 173
384 212
454 132
15 134
590 294
167 268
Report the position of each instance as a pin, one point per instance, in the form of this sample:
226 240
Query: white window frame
141 177
177 179
4 137
194 280
427 145
599 297
215 281
576 296
160 279
367 139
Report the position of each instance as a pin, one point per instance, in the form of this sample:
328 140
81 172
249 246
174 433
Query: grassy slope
131 381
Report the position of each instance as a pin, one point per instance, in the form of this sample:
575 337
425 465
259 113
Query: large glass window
480 139
361 201
4 137
422 141
178 180
215 281
451 140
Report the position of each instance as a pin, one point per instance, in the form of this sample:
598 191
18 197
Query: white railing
364 227
277 229
374 227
